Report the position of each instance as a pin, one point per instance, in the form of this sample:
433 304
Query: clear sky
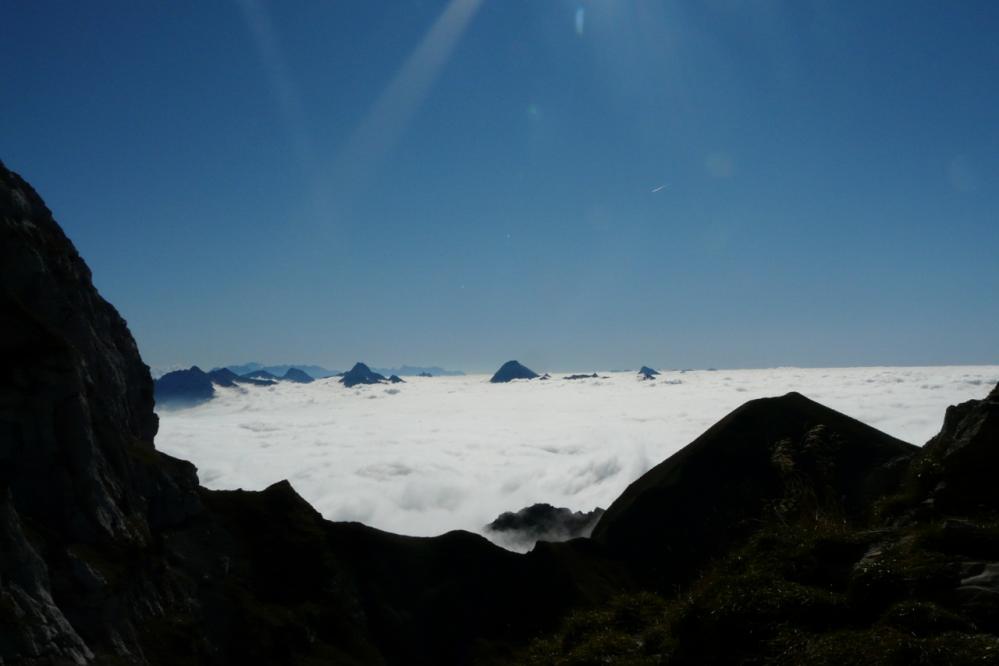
572 184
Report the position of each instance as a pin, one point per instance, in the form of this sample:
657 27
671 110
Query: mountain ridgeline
787 533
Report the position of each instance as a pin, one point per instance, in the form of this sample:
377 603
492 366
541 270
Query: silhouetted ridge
713 491
512 370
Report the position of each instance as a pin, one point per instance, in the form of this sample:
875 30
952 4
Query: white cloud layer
443 453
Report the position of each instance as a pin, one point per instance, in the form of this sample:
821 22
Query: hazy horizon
433 455
578 185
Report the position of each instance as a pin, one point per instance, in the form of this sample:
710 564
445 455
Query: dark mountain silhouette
298 376
260 374
733 464
184 388
396 379
279 370
223 377
645 372
425 374
228 378
593 376
512 370
521 529
787 533
361 374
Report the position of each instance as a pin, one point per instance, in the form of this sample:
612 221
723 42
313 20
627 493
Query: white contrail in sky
657 189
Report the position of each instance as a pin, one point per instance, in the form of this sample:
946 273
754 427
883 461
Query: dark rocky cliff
112 553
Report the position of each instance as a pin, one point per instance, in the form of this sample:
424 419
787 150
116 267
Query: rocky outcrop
184 388
593 376
361 374
78 471
396 379
297 376
512 370
520 530
645 372
959 465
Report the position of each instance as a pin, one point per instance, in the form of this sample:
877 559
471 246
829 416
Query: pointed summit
361 374
512 370
298 376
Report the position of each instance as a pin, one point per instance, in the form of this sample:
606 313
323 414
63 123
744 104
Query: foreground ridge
786 533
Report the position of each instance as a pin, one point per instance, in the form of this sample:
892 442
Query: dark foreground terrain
787 533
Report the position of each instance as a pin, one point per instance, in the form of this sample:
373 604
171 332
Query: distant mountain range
320 372
315 371
416 370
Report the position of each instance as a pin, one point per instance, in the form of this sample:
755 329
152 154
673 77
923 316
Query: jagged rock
512 370
541 522
297 376
77 463
645 372
961 461
361 374
184 388
395 379
593 376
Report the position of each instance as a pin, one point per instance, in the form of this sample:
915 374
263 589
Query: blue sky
459 182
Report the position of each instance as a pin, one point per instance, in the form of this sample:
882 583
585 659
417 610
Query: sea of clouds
443 453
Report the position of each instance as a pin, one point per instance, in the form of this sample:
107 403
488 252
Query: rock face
512 370
297 376
183 388
396 379
361 374
960 463
541 522
78 469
